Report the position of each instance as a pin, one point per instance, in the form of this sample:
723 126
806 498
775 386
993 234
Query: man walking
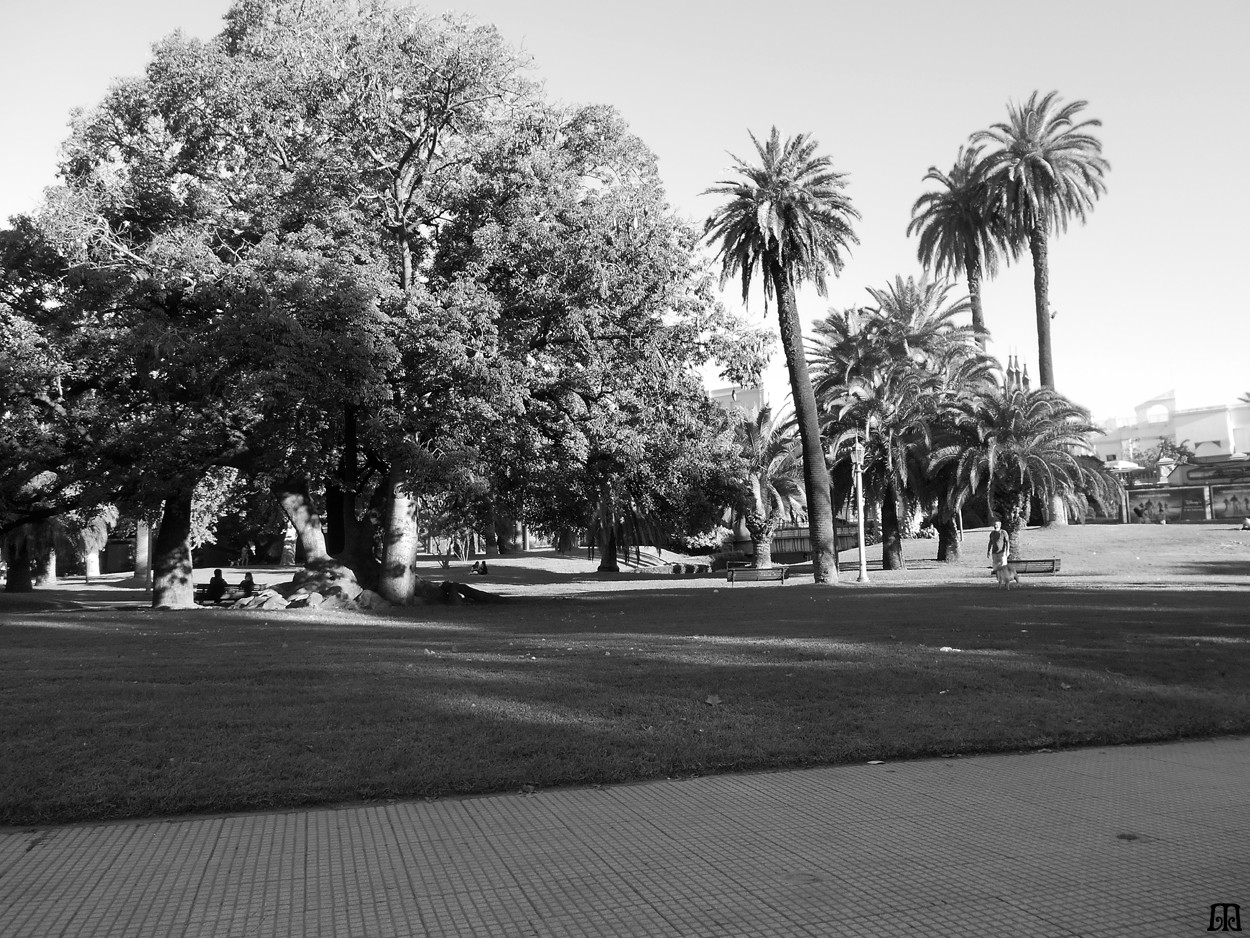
997 550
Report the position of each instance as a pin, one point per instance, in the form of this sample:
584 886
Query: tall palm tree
788 219
959 230
773 489
1019 444
1047 169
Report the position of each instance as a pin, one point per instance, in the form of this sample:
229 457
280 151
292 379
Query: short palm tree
788 219
773 489
912 321
959 230
1047 168
895 411
1019 444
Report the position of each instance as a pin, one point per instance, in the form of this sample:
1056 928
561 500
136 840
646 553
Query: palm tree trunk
1040 248
1014 522
948 539
815 472
891 536
972 268
173 586
761 531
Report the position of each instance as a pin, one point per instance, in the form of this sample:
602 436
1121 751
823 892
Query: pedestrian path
1127 841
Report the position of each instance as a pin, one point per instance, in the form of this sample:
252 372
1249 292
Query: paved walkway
1134 841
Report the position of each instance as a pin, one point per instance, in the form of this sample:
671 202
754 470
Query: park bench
747 574
233 594
1034 566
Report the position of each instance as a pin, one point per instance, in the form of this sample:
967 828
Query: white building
1205 431
747 400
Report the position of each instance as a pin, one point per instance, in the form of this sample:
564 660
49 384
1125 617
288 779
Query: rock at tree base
324 576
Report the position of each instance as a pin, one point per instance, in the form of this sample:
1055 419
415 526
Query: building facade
1220 430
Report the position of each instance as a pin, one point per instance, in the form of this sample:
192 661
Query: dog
1006 576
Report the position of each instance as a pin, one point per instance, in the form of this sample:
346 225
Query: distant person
248 585
217 587
999 546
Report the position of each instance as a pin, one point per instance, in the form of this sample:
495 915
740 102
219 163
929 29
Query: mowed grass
125 713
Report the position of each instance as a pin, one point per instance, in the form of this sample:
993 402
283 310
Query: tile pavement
1122 841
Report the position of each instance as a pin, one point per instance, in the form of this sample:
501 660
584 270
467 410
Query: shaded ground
118 711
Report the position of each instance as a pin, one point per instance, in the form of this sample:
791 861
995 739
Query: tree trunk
335 533
173 586
143 552
45 569
1041 297
91 564
491 539
505 532
1013 523
21 577
948 539
761 531
607 531
972 268
891 537
815 472
293 495
398 579
1057 512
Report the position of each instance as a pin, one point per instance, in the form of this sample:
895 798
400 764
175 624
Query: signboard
1230 502
1151 507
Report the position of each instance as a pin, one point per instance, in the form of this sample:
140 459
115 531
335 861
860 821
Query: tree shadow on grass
1216 567
242 711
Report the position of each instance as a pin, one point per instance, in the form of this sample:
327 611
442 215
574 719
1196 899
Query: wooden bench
747 574
233 594
1033 566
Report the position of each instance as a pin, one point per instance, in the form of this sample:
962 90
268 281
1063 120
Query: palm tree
788 219
773 492
1047 169
895 368
1019 444
959 230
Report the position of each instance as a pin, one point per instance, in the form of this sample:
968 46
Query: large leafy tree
378 111
219 282
592 311
1020 444
959 229
1045 169
788 219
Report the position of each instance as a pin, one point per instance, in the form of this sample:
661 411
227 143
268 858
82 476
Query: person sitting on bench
248 586
216 587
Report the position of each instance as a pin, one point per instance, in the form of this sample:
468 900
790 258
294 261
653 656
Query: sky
1147 295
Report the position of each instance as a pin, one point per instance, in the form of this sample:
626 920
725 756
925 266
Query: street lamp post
857 463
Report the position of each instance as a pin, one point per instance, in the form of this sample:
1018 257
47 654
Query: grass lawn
113 712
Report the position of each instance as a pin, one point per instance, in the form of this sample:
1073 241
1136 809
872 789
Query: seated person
216 587
248 585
